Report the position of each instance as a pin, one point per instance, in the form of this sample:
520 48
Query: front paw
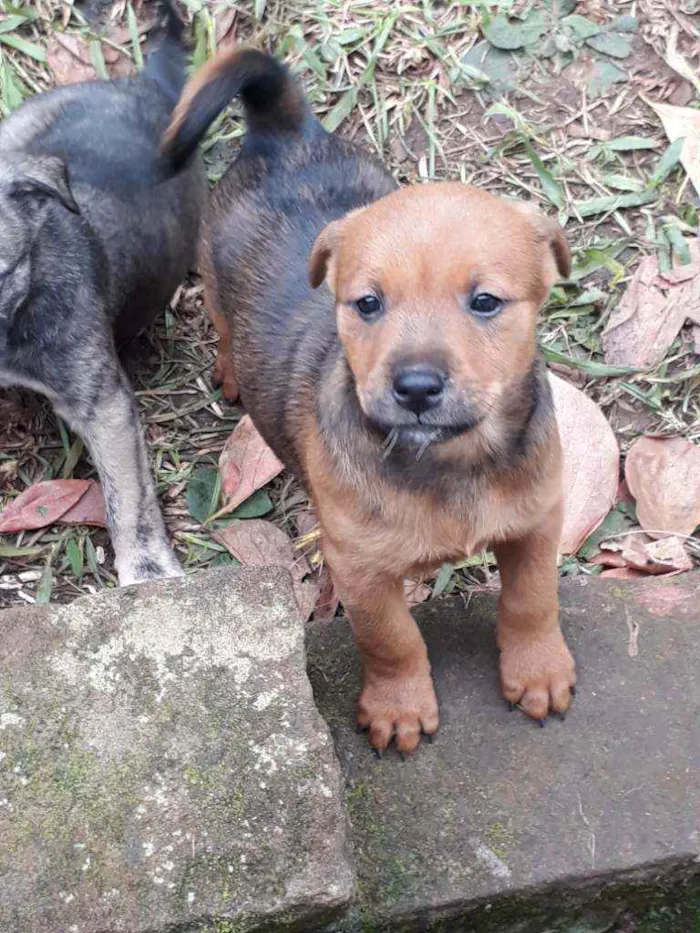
398 706
537 672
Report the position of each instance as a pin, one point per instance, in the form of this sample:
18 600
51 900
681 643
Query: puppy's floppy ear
47 175
558 245
322 253
553 235
322 259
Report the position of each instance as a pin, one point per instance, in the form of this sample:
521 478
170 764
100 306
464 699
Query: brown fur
317 380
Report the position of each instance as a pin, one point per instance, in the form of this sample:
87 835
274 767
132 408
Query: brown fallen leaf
68 57
682 123
256 542
307 542
642 553
42 504
13 412
675 60
623 493
622 573
88 510
246 464
224 22
591 468
663 474
652 311
328 601
416 592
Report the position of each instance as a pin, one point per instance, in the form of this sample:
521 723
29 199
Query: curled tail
273 101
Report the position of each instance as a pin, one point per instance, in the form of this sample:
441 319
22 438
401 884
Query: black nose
418 388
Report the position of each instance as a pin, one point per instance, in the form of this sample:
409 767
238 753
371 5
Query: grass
394 78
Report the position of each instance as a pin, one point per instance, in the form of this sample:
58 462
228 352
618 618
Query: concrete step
503 826
162 765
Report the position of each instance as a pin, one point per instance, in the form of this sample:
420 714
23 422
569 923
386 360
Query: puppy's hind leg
224 372
106 417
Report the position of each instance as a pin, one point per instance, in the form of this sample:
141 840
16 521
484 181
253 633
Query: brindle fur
316 380
95 236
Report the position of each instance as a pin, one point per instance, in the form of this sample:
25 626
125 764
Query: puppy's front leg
106 417
397 698
537 670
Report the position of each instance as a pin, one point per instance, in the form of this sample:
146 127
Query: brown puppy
407 391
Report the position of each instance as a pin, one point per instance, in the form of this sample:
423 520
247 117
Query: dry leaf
308 528
641 553
224 22
307 542
675 60
663 475
622 573
591 469
328 601
68 57
246 464
652 311
256 542
416 592
88 510
682 123
42 504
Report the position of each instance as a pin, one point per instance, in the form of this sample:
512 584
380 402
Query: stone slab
501 825
162 766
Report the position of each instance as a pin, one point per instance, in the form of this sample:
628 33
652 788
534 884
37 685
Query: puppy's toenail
573 691
543 723
378 753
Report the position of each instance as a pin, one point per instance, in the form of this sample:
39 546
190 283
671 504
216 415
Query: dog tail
273 101
167 64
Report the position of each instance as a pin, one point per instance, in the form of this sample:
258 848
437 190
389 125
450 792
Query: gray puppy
96 233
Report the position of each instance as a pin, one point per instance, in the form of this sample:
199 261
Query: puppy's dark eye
485 305
369 306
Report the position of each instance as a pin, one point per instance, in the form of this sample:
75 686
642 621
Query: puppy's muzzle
418 388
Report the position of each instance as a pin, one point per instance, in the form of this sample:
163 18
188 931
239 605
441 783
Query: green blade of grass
11 23
23 46
43 591
668 161
134 33
550 186
12 550
341 111
590 367
613 202
98 60
10 91
442 581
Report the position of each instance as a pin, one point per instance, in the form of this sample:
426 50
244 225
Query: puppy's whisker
390 442
426 443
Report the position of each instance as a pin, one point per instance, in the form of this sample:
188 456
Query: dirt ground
425 85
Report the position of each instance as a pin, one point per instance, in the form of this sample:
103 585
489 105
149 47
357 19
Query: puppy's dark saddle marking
290 180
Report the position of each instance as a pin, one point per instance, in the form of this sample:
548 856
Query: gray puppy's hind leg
110 427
